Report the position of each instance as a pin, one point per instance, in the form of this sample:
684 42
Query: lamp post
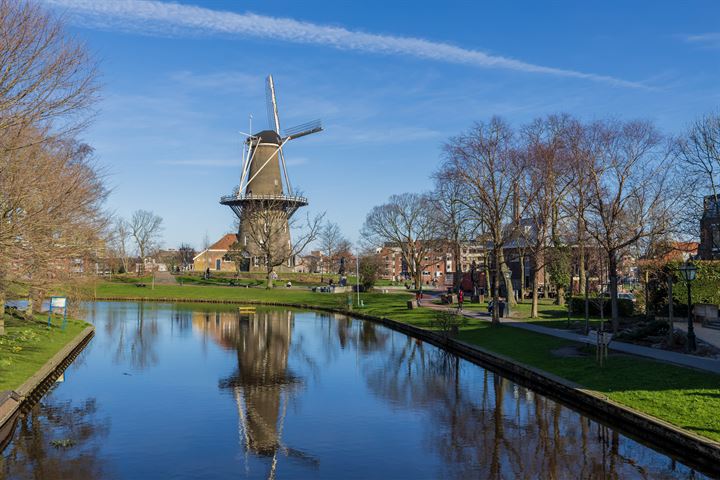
689 272
357 276
507 291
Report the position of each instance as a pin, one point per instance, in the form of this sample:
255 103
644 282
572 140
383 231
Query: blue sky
392 81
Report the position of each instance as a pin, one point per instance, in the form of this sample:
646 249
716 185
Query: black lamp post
689 272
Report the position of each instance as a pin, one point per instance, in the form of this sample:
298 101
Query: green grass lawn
28 344
684 397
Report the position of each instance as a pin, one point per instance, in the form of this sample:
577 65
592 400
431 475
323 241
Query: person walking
501 308
418 296
461 297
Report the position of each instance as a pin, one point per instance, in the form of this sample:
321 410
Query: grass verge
28 344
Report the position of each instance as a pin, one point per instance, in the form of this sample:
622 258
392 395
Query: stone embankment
17 402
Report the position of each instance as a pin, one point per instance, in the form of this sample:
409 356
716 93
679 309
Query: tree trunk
612 274
560 296
647 295
522 278
581 247
488 288
458 265
587 305
418 277
269 278
534 307
496 289
2 313
670 310
508 281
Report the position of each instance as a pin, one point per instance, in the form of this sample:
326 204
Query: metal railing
267 196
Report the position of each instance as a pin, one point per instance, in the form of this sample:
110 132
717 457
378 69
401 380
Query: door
218 264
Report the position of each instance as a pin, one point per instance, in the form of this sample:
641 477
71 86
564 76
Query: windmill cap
268 136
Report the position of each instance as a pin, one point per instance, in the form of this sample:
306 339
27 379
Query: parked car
621 296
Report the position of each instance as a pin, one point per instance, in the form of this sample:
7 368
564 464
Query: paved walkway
708 335
685 360
164 278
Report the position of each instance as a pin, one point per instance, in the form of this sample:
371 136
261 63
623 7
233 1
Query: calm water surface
187 392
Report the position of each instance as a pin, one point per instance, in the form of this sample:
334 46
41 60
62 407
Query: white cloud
204 163
711 40
155 17
234 81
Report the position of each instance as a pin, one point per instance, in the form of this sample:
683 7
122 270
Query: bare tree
50 205
119 242
332 243
186 254
370 268
628 197
145 228
268 224
546 182
406 221
486 161
46 75
453 216
47 84
577 146
698 154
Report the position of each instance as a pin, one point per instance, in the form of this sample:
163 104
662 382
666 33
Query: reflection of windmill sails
262 384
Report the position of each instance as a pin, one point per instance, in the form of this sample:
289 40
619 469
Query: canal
190 391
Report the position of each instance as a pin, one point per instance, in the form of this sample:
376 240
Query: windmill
264 182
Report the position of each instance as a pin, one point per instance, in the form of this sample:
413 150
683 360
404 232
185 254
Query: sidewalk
708 335
682 359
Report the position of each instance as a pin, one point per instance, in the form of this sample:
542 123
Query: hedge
577 304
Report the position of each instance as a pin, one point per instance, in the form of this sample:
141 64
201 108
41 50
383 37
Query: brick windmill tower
264 201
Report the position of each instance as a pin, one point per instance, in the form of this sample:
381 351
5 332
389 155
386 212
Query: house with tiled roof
215 256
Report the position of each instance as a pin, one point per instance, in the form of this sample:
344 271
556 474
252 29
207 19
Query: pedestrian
501 308
461 297
418 296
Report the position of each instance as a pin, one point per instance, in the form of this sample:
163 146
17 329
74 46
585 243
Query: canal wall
19 401
684 445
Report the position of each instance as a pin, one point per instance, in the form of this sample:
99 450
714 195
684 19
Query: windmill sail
303 129
271 104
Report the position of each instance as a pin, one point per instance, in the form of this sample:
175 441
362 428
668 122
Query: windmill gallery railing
268 197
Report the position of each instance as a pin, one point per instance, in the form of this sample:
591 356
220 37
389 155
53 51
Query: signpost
56 304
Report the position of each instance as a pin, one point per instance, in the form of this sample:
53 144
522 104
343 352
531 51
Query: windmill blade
284 169
303 129
271 104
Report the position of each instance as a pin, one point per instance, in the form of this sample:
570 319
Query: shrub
644 330
625 306
447 321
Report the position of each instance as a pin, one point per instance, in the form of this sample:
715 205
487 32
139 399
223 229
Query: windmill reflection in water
263 384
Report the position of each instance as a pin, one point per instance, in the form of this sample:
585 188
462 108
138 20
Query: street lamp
507 275
689 272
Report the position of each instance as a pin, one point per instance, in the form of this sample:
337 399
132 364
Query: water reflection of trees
488 427
341 332
31 454
263 384
134 333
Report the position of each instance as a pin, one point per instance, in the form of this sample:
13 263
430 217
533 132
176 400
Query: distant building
710 229
436 266
215 256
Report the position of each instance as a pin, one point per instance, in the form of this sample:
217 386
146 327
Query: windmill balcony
264 196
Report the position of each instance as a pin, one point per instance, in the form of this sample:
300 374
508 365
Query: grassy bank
684 397
28 344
